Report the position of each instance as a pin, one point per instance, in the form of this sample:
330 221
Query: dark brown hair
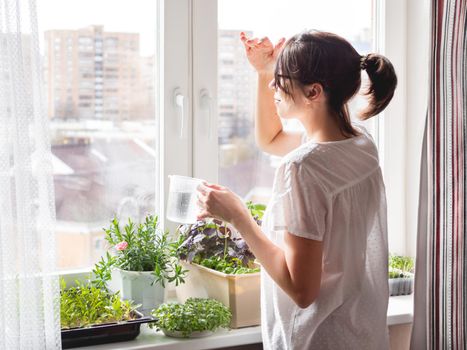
330 60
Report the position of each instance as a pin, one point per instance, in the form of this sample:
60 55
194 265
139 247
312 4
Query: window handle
205 103
179 102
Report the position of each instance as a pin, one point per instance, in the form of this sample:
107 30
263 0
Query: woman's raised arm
269 133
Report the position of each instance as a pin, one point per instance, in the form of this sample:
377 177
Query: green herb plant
400 266
140 247
85 305
195 315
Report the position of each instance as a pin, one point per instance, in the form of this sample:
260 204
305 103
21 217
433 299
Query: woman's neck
322 126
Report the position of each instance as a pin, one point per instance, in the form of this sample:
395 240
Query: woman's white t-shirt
331 192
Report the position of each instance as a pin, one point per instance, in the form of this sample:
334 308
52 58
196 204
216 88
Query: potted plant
221 267
90 315
142 259
401 275
195 318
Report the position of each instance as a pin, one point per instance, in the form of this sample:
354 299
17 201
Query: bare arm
269 133
296 267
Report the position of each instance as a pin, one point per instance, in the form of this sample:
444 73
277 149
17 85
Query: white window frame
391 24
174 74
205 57
405 35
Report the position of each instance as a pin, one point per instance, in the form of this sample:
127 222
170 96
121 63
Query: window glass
99 71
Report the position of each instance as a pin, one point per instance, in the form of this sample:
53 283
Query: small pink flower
121 246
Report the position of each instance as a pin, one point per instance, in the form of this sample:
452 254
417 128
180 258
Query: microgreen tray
104 333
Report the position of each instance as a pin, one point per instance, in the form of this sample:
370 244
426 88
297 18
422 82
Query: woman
323 241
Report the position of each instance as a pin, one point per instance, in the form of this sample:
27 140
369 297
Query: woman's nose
272 84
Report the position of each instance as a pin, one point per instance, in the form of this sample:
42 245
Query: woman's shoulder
335 161
305 154
311 152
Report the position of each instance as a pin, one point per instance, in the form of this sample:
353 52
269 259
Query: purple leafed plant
214 239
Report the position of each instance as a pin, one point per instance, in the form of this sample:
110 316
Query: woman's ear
313 91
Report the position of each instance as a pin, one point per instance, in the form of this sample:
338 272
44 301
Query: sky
273 18
277 18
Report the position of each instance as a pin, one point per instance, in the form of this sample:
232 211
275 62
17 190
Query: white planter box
240 293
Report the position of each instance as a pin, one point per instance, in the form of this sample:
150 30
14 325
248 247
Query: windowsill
400 311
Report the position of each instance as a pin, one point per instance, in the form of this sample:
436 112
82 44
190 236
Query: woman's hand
220 203
261 53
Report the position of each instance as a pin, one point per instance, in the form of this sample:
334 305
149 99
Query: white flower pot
140 287
240 293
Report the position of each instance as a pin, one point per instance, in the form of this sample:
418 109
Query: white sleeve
302 205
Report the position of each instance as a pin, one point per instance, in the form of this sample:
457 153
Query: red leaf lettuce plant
215 244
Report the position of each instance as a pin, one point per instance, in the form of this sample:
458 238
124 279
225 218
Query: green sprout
85 305
195 315
400 266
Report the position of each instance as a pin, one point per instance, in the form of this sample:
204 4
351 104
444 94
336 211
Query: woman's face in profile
287 106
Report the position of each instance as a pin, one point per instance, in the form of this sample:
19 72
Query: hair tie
364 61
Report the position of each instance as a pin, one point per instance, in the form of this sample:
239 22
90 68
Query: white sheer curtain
29 291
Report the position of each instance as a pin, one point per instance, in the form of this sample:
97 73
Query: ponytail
383 82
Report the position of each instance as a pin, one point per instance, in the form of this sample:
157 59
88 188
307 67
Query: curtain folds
29 290
440 309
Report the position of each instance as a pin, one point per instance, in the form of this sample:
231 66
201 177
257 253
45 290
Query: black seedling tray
104 333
